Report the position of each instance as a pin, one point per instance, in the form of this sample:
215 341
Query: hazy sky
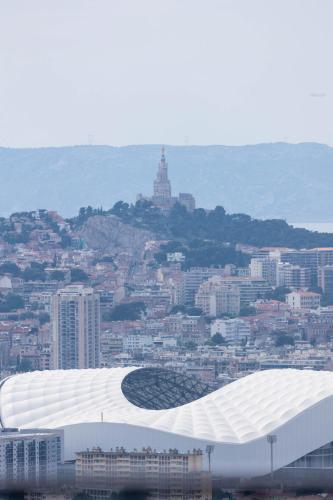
165 71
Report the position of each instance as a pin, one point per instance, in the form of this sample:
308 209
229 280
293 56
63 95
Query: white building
292 276
214 297
175 257
76 328
301 299
137 342
264 268
231 329
250 288
6 284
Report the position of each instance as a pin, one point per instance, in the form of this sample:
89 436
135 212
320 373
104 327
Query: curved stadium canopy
136 407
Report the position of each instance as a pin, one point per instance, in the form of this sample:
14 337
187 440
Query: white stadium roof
296 406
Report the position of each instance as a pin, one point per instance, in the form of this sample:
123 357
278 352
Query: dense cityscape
101 290
166 250
218 322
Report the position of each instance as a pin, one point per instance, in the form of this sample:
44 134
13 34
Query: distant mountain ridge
277 180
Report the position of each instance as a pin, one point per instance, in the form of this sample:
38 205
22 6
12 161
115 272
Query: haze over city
166 326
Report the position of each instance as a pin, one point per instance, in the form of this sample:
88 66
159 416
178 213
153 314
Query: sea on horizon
321 227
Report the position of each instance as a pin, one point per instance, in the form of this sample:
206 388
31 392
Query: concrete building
214 297
195 277
177 475
250 288
300 299
264 268
187 200
30 457
137 342
325 279
231 329
292 276
76 328
312 259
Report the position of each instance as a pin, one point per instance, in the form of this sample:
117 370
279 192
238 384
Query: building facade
264 268
325 279
170 473
231 329
300 299
292 276
76 328
30 457
215 298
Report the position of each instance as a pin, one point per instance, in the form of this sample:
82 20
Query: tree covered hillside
209 226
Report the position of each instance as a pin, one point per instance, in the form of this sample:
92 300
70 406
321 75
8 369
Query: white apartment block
300 299
264 268
292 276
231 329
137 342
215 298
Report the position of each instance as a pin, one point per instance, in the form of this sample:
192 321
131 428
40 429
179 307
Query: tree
190 345
129 311
11 302
217 339
10 268
78 274
57 275
24 365
283 339
247 311
43 318
66 240
34 272
178 309
279 293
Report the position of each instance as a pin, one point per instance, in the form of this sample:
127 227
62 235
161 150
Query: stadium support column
271 439
209 451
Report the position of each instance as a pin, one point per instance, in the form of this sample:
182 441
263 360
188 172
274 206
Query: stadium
261 423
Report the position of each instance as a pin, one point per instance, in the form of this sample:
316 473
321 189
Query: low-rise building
231 329
178 475
301 299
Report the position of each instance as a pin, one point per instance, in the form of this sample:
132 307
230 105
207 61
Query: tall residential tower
76 328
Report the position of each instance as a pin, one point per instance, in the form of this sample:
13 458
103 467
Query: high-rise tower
162 186
76 328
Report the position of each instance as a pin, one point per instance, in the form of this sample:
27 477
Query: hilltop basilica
162 197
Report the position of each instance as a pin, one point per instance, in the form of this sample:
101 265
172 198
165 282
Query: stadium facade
267 420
